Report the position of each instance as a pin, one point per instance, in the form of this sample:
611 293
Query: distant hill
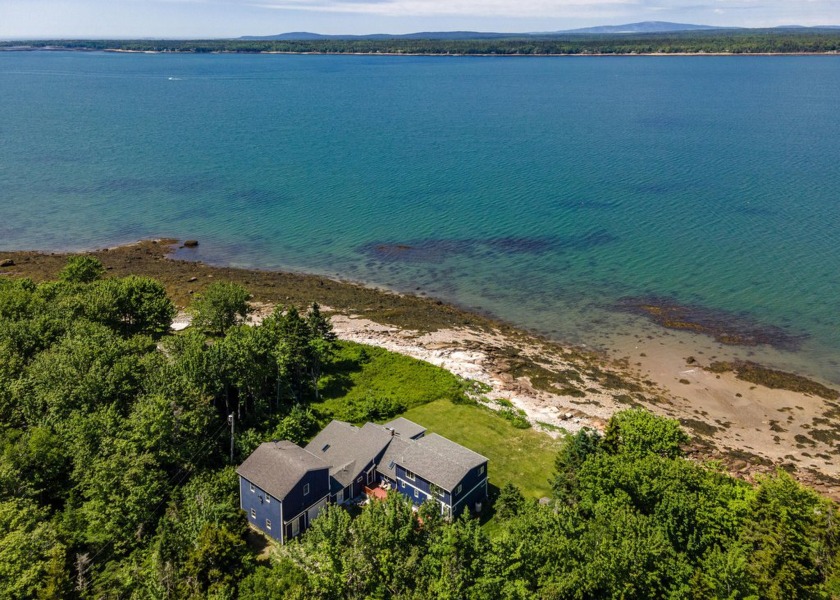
644 27
422 35
652 27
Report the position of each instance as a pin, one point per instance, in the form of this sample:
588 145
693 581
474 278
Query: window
252 486
253 514
416 493
409 475
481 470
359 480
267 499
402 483
268 524
437 490
305 489
458 489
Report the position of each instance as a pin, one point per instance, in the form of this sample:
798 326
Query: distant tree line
753 41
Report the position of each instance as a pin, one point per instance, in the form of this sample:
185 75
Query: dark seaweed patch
431 250
774 379
726 327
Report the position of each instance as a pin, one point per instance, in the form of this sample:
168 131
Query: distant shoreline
416 54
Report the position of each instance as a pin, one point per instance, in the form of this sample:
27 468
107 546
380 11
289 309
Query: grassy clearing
523 457
359 374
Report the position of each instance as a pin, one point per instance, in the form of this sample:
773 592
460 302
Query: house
435 468
282 488
399 455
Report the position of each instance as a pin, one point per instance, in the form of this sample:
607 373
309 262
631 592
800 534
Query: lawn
523 457
425 392
359 373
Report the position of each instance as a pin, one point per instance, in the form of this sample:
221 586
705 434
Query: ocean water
540 190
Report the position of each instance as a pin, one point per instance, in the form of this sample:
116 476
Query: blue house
432 467
282 488
400 456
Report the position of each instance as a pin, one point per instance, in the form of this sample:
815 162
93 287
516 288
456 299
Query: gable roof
405 428
277 467
439 460
393 454
348 449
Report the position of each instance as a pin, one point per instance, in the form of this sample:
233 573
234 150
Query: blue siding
263 509
473 488
469 494
319 486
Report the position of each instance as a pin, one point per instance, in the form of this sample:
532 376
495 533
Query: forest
116 479
730 41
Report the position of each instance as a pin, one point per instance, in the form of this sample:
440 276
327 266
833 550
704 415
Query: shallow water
541 190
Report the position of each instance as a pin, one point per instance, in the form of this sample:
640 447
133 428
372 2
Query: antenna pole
230 420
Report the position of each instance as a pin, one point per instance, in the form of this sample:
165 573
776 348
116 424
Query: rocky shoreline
751 428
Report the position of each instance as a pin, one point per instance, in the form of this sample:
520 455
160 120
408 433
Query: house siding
319 486
256 500
473 489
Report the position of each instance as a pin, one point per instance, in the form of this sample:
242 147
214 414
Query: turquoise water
540 190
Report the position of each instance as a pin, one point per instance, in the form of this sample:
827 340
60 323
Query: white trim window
481 470
305 489
416 493
252 486
409 475
268 524
253 514
267 499
458 489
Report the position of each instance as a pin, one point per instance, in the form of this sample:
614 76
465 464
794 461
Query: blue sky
231 18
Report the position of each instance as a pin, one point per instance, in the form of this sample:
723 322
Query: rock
191 244
193 279
7 262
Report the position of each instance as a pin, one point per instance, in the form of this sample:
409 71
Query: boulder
191 243
7 262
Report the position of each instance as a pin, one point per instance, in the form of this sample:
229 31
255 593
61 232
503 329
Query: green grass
359 372
523 457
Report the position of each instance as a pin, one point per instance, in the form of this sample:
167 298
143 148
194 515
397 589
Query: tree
220 307
576 449
131 305
217 562
81 269
638 431
510 502
32 558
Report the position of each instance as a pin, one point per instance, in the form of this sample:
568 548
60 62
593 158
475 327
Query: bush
81 269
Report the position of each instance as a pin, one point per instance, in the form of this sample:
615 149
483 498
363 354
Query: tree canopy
115 480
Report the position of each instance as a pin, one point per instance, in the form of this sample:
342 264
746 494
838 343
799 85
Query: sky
29 19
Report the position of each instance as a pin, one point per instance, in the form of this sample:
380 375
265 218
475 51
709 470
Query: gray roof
434 458
405 428
393 454
348 449
277 466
